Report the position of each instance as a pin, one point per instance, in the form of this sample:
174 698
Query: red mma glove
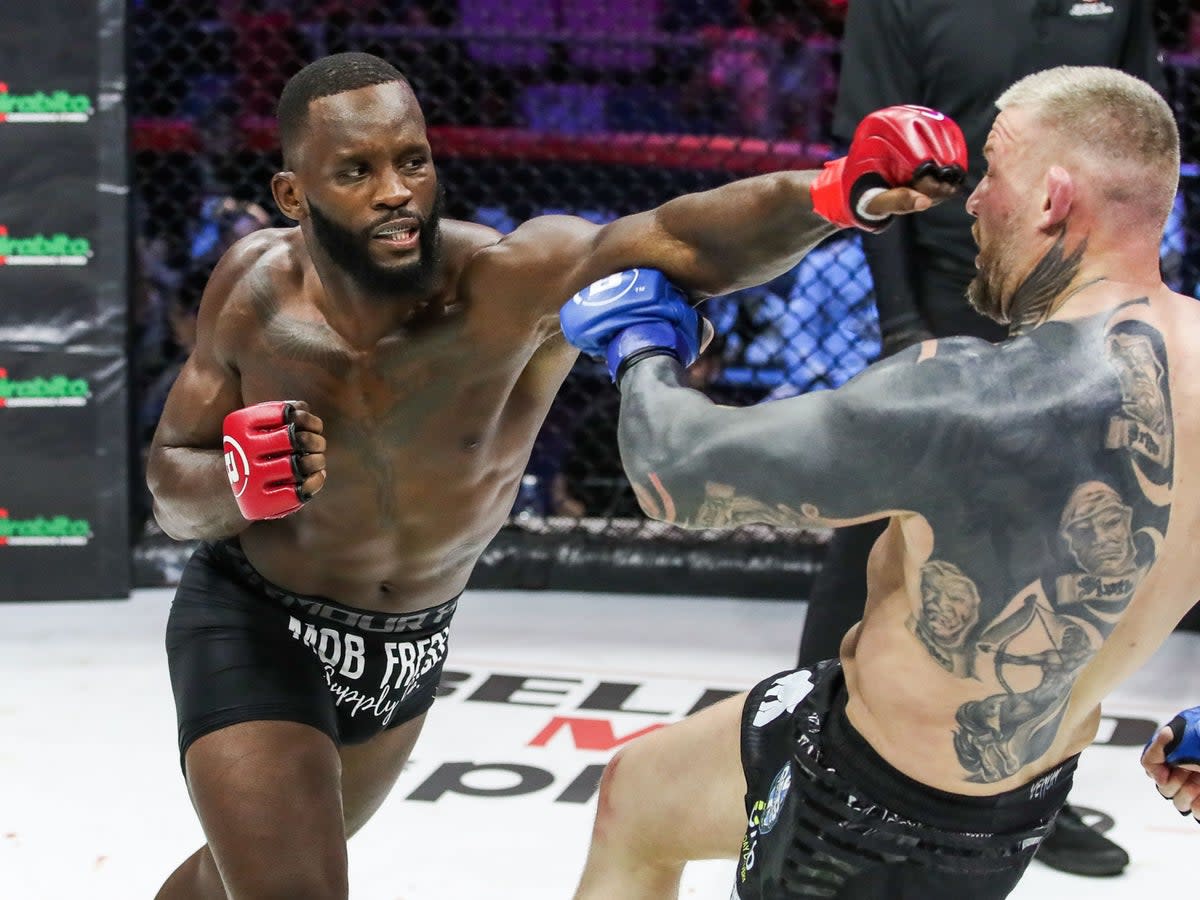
892 147
263 447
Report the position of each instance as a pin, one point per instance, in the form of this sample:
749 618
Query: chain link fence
593 107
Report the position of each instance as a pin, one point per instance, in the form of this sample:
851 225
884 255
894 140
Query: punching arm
755 229
902 160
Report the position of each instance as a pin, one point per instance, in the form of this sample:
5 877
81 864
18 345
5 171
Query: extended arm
827 458
902 160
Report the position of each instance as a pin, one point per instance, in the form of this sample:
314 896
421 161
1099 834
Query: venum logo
40 107
48 391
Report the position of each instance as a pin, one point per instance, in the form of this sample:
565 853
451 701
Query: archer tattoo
998 735
1109 532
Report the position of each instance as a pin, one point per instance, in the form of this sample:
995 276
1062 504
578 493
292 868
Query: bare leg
195 879
675 795
277 802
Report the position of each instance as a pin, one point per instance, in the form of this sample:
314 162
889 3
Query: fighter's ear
289 197
1059 196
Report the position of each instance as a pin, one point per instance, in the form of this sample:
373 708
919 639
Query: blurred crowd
205 74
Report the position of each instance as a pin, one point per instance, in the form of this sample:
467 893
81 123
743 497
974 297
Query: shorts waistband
312 607
1015 809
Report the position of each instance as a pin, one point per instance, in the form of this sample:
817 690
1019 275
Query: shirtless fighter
1041 541
370 385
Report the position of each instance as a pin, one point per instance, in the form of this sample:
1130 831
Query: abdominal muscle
342 548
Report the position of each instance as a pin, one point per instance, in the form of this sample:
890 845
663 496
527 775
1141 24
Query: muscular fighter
1044 480
370 384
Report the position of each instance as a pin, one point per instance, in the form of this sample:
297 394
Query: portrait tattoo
1108 532
1144 425
950 605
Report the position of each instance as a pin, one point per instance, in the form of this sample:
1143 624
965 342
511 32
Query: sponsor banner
64 483
37 380
64 194
55 272
41 107
64 447
57 390
58 249
550 735
56 547
48 58
40 531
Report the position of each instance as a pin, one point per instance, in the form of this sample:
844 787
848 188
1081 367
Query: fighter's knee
617 804
628 836
605 806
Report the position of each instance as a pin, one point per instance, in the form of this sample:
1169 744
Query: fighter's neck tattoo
1049 278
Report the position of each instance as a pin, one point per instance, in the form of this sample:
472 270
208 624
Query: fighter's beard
349 252
1033 297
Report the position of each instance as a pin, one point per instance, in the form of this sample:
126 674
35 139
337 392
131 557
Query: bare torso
1022 691
428 430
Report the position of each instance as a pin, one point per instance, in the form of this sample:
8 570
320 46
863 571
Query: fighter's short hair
329 75
1113 117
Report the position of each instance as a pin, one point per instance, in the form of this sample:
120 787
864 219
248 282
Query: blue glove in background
1184 747
634 313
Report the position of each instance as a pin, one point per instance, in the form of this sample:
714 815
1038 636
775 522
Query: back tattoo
1098 542
1043 466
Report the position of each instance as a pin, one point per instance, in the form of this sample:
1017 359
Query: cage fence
596 108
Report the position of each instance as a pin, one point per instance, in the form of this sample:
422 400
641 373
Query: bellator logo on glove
263 448
237 466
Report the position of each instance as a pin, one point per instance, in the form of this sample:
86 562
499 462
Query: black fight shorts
828 817
242 649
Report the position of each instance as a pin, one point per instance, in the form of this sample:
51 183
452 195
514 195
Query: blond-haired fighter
1055 474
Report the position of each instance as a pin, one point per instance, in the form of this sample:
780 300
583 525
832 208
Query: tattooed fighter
1042 514
370 384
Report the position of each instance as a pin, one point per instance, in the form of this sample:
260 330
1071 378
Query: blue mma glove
1184 747
629 316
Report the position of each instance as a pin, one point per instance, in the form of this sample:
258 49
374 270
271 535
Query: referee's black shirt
958 56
